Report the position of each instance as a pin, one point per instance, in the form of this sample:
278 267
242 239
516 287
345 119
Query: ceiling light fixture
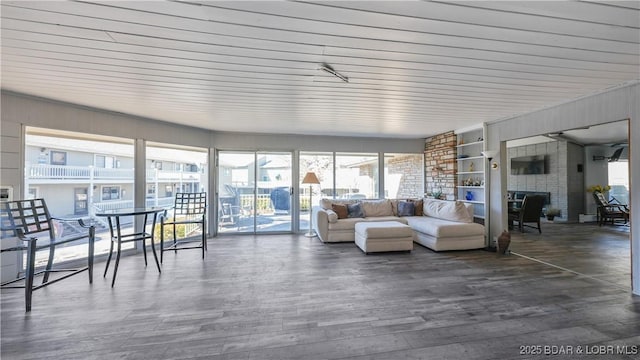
327 68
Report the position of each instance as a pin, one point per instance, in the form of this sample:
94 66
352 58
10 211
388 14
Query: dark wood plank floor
290 297
600 252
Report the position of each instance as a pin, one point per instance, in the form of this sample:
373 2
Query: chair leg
161 243
155 256
175 237
144 251
52 250
115 266
92 239
539 229
204 243
108 259
28 286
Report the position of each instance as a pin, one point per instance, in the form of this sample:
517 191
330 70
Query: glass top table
114 218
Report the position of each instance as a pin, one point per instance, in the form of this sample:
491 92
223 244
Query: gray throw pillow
355 210
406 208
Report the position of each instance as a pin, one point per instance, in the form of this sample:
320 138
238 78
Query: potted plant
551 213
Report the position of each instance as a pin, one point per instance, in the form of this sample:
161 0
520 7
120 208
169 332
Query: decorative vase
469 196
503 242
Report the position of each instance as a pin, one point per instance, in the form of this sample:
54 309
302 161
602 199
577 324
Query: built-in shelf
470 144
472 201
471 169
471 158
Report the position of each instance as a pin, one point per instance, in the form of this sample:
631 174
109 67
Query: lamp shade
310 178
490 154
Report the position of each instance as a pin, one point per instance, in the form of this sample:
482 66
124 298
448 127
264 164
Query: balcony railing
64 172
39 172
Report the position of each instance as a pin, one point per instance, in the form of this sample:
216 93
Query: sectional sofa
437 224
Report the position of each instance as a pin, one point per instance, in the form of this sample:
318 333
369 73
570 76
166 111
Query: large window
403 176
356 176
172 169
619 181
321 163
75 174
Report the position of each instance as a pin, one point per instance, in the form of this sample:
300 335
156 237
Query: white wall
614 104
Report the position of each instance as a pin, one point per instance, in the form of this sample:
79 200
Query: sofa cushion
406 208
373 208
440 228
418 206
341 210
355 211
447 210
332 216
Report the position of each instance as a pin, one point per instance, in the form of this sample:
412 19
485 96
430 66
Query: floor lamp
489 155
310 178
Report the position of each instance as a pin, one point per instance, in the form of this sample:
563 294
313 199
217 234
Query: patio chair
610 211
529 212
190 209
22 218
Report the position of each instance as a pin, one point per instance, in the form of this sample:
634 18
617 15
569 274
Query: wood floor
290 297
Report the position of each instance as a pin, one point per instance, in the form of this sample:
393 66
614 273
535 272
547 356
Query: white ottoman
384 236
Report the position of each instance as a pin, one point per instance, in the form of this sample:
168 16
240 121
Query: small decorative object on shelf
471 167
469 195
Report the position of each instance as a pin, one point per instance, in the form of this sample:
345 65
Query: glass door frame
254 213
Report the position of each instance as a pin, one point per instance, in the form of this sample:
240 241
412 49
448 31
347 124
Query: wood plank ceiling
415 69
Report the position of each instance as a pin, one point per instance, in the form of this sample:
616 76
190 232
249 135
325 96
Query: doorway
80 201
255 192
574 241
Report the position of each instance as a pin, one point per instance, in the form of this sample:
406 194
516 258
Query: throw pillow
332 216
341 210
406 208
418 211
355 210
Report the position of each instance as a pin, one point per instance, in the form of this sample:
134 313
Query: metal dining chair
189 214
21 219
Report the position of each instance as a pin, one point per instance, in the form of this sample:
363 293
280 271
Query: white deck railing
64 172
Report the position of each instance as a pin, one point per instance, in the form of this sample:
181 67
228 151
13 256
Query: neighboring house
79 177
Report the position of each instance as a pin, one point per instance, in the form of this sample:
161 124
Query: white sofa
444 225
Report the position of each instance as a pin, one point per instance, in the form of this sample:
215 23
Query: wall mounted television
530 165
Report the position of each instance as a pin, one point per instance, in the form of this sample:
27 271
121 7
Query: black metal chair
189 209
22 218
530 212
609 211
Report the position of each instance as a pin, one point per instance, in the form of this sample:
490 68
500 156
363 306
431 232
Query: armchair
530 211
610 211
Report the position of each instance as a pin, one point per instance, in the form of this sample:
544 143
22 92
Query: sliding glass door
254 192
